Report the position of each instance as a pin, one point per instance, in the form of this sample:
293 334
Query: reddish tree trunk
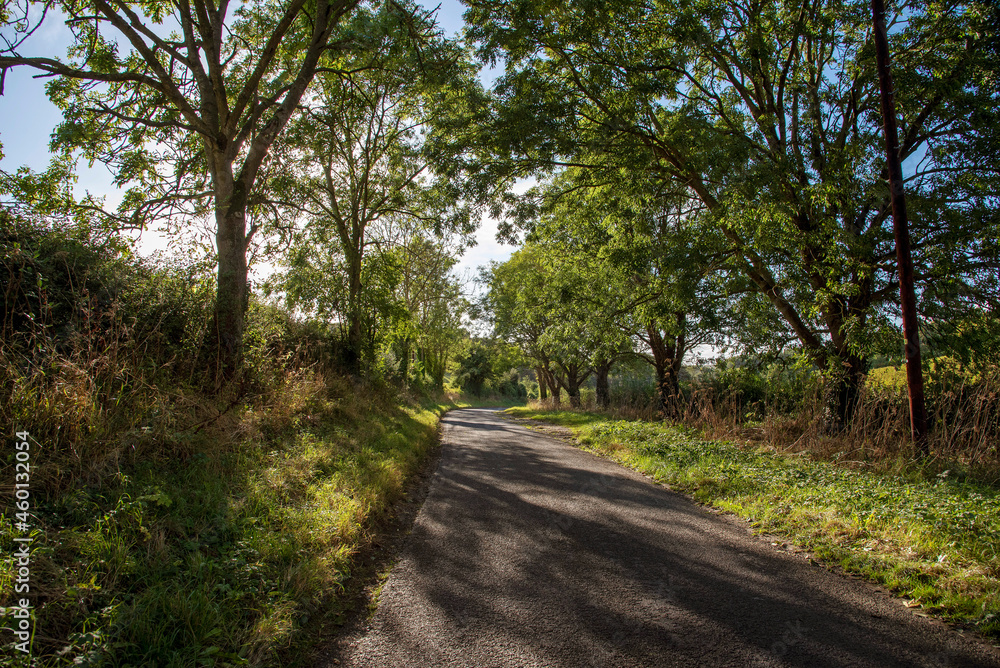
908 301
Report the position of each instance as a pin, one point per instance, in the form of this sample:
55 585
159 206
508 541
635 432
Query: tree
766 114
482 362
189 117
353 163
434 301
553 303
647 272
515 305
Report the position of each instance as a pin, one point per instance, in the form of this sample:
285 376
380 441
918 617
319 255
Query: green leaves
555 304
764 119
377 210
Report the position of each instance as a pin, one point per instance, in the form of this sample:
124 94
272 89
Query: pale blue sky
27 119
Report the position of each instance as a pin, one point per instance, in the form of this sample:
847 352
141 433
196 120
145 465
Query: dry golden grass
964 412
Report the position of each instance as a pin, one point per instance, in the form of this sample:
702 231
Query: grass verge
233 551
933 541
467 401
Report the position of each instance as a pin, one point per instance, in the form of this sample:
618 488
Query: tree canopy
184 101
763 118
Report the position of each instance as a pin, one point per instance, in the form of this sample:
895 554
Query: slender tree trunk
550 378
437 360
442 368
404 362
543 392
914 374
352 356
601 372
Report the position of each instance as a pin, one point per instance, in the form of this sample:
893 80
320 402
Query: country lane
529 552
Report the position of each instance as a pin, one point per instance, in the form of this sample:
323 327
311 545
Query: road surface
529 552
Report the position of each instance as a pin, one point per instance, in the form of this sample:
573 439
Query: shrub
749 388
180 524
509 385
474 368
50 272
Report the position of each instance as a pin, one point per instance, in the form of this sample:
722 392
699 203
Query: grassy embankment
237 552
933 539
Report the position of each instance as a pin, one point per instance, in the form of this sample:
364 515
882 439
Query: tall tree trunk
232 292
601 371
437 361
549 379
668 355
352 355
439 373
845 368
404 362
543 389
908 302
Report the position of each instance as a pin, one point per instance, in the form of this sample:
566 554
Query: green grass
468 401
561 418
235 553
933 539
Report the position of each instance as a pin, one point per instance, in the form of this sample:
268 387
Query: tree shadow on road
541 554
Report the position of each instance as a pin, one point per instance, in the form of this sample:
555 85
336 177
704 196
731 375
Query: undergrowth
175 523
235 553
932 537
790 407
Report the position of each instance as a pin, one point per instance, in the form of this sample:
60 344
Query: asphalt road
530 552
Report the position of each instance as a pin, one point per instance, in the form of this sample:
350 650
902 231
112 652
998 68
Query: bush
50 273
751 388
632 385
489 366
509 385
475 368
95 335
